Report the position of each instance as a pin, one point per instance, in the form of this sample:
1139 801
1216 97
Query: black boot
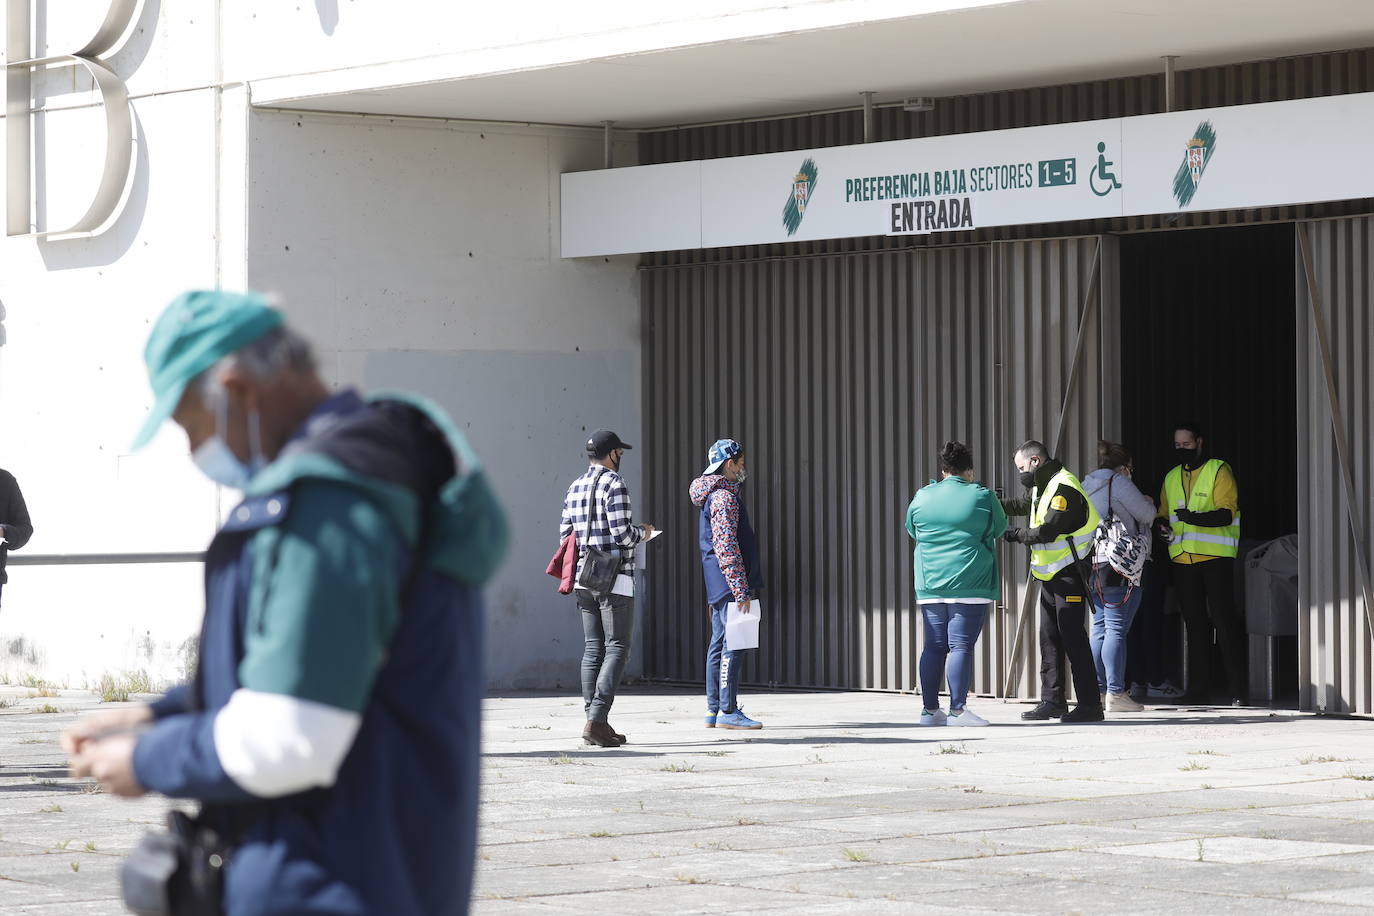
1045 710
1085 712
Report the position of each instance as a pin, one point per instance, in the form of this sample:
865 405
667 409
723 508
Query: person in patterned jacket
730 565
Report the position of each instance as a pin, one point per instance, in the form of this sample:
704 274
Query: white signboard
1214 159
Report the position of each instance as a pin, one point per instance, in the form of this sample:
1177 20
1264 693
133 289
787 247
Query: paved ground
839 805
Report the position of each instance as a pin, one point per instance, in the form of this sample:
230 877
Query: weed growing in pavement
688 879
717 753
51 809
855 855
76 866
972 789
42 693
952 749
542 728
600 834
29 680
1206 785
1208 753
1194 765
1362 777
1324 758
90 845
561 759
47 708
1199 849
678 768
6 702
746 822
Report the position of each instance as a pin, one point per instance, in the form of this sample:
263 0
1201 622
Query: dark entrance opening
1207 324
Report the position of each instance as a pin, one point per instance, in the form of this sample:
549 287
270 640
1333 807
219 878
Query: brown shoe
618 736
600 734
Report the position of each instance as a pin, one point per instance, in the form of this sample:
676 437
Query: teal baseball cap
197 330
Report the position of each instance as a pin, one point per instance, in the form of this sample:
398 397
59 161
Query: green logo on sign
1195 158
803 185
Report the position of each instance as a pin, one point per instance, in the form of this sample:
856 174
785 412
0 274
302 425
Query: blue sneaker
736 719
710 720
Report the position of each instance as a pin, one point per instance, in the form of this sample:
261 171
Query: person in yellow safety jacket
1062 523
1199 513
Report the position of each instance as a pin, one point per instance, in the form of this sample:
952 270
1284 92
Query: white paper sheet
742 629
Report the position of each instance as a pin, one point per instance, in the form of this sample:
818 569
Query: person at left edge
15 525
331 733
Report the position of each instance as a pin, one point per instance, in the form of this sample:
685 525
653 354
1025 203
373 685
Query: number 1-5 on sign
1056 172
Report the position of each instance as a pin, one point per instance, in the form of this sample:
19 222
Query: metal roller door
1335 464
843 375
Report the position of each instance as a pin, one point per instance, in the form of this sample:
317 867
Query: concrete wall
424 255
72 386
417 254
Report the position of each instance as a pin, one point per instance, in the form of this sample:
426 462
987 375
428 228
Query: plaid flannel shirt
613 530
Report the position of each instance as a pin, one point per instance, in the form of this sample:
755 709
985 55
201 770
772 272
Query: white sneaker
967 718
937 717
1122 702
1165 691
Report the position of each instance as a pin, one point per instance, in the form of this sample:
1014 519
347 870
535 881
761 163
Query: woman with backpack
1123 546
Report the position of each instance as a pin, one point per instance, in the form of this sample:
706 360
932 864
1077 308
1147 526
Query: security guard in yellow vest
1062 523
1199 511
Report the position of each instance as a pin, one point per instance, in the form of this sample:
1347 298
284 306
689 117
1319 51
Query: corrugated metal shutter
1334 641
842 377
1044 288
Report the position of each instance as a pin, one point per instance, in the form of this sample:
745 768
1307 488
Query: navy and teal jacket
333 725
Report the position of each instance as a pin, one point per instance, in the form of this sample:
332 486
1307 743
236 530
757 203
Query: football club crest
803 186
1196 154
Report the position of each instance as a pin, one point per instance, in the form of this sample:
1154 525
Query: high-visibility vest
1209 542
1048 559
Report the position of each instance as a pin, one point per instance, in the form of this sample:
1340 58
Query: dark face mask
1027 479
1188 456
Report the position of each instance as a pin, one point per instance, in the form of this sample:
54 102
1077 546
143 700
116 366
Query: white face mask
742 476
217 460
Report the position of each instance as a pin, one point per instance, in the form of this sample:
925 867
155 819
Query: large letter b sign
119 129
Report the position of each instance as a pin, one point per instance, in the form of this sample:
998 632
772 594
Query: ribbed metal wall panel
1043 289
842 377
1334 640
1307 76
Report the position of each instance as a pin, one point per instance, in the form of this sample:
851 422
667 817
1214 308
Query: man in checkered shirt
607 618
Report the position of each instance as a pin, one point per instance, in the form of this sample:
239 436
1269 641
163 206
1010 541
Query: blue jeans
607 624
1112 616
722 665
950 632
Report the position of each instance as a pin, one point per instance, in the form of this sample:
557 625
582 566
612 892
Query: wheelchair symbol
1102 172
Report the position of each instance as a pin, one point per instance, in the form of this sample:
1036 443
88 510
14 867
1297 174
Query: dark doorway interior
1207 323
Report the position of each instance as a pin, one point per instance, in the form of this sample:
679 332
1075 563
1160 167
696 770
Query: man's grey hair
1032 448
279 350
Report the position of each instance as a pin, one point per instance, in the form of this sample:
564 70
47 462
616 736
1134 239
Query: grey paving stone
839 805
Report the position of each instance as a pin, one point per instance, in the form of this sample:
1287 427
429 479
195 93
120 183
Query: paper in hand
742 628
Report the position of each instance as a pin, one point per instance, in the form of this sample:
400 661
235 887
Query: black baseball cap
603 442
